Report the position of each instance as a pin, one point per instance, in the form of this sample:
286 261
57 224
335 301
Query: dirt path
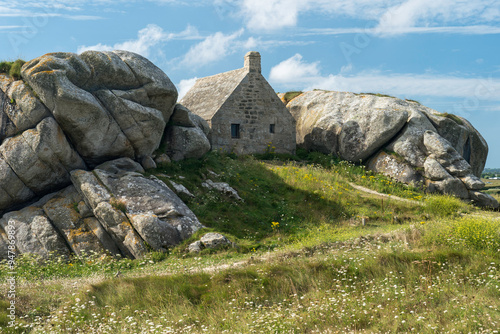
380 195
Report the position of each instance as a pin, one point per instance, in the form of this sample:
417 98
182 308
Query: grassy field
492 187
305 262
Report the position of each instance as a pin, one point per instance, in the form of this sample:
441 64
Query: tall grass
475 233
362 290
12 68
315 255
445 205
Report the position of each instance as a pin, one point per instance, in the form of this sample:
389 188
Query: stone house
243 111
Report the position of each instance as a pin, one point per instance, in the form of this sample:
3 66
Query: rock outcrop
77 111
186 136
400 138
345 124
71 113
77 132
110 104
113 209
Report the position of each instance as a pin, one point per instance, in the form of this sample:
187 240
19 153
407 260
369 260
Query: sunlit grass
315 255
371 287
475 233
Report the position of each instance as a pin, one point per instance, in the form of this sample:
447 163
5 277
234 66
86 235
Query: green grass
12 68
391 289
491 187
305 262
291 95
453 117
445 205
475 233
377 94
118 205
299 195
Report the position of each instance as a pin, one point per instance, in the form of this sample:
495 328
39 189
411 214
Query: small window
271 128
235 131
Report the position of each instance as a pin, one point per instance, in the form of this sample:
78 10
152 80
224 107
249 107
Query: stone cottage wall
254 106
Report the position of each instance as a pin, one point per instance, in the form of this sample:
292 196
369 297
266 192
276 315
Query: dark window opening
235 131
271 128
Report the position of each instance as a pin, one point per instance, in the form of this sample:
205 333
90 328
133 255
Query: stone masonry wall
254 106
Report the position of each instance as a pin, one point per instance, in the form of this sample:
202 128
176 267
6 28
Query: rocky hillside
400 138
77 133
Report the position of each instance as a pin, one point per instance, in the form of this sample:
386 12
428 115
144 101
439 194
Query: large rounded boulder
74 111
351 126
400 138
110 104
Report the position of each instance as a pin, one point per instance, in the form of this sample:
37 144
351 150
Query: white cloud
271 14
185 85
294 70
389 16
384 31
82 17
147 39
252 43
346 69
408 85
409 13
44 12
97 47
213 48
439 13
258 43
10 27
295 73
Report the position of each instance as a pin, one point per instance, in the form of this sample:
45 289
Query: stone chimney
252 61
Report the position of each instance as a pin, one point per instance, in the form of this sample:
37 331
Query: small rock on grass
210 240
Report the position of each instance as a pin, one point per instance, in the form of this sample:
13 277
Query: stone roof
208 94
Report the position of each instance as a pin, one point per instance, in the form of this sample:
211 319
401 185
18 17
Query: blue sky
443 53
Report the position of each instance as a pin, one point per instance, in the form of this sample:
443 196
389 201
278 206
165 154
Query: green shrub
15 70
443 205
5 67
12 68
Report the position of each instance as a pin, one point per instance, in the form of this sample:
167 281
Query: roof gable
208 94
